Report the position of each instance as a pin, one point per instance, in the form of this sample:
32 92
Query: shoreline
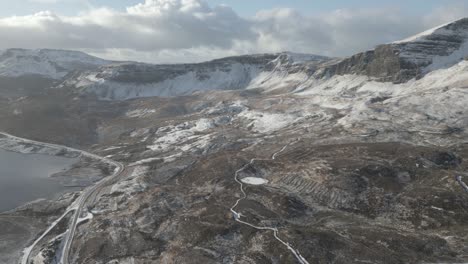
24 223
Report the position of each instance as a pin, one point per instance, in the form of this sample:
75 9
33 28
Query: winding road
462 183
237 215
82 202
77 206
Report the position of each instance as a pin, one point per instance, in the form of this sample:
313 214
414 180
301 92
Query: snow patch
186 136
254 181
264 122
89 216
133 184
137 113
270 81
112 148
441 62
140 132
226 109
144 161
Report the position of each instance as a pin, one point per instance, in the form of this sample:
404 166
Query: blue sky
243 7
166 31
317 6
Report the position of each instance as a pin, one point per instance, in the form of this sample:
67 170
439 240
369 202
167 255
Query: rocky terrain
349 160
130 80
401 61
23 224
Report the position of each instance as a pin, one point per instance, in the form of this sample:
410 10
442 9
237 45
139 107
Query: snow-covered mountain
398 62
401 61
439 48
133 80
54 64
359 152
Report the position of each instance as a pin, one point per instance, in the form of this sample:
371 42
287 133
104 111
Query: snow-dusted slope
401 61
435 104
54 64
110 83
441 47
422 34
133 80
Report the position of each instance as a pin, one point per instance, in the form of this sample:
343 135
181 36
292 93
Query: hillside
53 64
270 158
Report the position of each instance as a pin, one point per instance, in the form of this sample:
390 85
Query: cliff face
133 80
404 60
397 62
382 63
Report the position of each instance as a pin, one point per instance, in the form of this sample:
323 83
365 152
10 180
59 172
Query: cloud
446 14
287 29
192 30
155 25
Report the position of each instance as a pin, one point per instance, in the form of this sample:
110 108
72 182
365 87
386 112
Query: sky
172 31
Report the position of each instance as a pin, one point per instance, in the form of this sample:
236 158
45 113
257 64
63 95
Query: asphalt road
237 215
76 207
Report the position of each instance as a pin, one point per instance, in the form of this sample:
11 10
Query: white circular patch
254 180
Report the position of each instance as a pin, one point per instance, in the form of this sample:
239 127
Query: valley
270 158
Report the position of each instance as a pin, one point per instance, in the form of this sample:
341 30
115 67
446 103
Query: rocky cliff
401 61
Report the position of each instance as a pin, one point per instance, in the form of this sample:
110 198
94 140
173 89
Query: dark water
25 177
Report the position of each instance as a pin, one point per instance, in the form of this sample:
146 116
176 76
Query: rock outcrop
404 60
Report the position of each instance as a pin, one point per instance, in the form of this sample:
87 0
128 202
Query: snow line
80 202
237 215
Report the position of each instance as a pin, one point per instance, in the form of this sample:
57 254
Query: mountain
270 158
53 64
398 62
133 80
401 61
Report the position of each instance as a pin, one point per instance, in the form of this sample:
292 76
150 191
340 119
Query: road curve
237 215
82 201
461 182
78 208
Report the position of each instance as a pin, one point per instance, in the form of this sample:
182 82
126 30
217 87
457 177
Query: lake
25 177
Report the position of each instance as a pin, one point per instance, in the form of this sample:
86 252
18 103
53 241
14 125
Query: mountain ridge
352 153
397 62
51 63
401 61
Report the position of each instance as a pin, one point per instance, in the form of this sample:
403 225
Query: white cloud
191 30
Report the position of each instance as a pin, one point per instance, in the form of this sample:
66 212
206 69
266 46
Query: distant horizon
233 56
191 31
